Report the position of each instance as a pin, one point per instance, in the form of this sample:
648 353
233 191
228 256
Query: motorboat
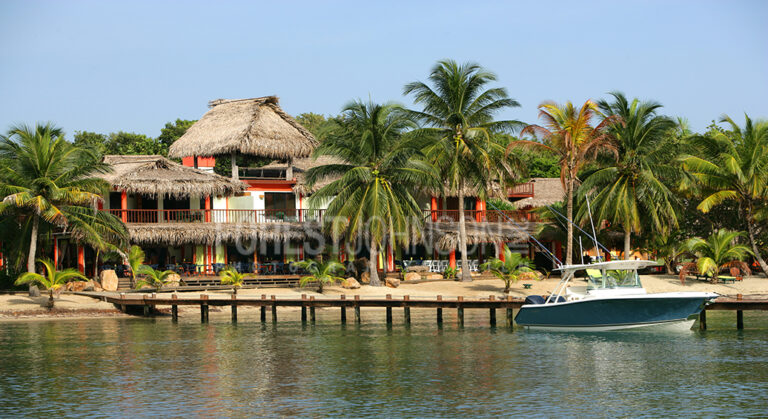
613 299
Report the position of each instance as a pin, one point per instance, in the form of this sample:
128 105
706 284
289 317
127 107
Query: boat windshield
613 278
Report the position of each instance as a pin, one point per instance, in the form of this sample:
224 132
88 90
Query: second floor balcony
247 216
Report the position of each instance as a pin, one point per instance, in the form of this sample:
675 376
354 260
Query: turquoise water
143 367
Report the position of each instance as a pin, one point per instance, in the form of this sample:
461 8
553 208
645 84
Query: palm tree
669 248
733 166
230 276
325 273
568 133
635 186
44 177
378 175
153 277
136 258
457 116
53 279
719 251
509 269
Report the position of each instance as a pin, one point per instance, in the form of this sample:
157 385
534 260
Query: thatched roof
546 191
300 166
256 127
445 236
158 176
176 234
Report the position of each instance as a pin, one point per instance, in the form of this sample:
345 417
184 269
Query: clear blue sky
106 66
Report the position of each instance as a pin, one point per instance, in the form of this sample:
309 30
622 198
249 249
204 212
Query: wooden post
274 310
263 309
510 315
174 309
303 308
312 309
492 312
343 311
235 175
357 309
81 259
739 315
439 312
703 320
124 206
452 259
389 311
460 311
406 309
204 308
234 308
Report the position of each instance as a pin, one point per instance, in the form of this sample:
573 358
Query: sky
108 66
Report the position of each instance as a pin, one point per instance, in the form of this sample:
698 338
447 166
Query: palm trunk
465 276
33 244
752 235
627 248
569 207
373 265
668 265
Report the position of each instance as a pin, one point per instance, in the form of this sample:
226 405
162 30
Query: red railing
490 216
150 216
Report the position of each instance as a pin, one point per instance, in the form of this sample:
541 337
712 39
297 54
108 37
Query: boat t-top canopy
612 265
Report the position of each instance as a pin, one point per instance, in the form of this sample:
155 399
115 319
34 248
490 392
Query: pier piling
439 312
492 312
204 308
343 310
357 309
234 308
703 320
274 310
263 310
406 309
389 311
312 310
174 309
460 311
303 308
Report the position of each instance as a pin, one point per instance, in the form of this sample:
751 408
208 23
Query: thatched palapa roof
546 191
177 234
247 126
158 176
445 235
300 167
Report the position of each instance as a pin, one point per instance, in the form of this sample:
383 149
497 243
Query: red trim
452 259
559 250
55 253
269 185
433 208
390 259
501 252
207 209
124 206
189 161
81 259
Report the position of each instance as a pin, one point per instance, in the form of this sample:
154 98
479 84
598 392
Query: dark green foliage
172 131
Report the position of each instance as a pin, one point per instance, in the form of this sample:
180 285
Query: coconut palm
52 280
568 133
509 269
378 174
718 252
136 258
45 178
458 117
636 185
733 166
230 276
325 273
153 277
669 248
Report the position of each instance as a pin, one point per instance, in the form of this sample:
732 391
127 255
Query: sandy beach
20 306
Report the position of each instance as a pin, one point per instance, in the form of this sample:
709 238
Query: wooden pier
271 302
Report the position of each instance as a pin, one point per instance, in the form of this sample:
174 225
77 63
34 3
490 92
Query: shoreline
68 306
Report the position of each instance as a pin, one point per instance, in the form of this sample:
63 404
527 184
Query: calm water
121 367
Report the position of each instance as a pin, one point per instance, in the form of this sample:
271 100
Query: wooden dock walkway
272 302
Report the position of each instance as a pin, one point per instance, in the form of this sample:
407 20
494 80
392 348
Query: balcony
523 190
151 216
246 216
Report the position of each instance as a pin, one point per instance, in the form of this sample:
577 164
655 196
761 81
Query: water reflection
140 367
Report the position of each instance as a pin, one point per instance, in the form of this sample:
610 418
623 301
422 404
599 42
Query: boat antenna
581 250
592 222
554 211
517 227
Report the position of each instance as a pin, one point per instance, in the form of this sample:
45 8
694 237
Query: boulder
350 283
34 291
76 286
97 287
108 279
90 286
392 282
412 276
365 278
434 276
417 268
173 280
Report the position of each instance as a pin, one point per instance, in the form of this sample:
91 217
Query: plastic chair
442 266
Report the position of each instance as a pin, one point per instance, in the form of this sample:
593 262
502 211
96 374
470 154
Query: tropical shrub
52 280
322 274
153 277
510 269
230 276
718 252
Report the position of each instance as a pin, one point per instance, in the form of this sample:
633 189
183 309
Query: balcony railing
522 190
489 216
217 215
151 216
